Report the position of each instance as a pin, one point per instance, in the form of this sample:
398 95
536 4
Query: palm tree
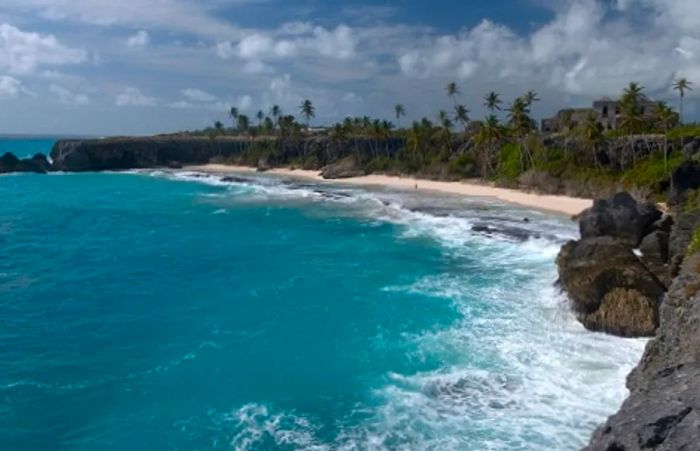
243 123
530 97
666 118
399 111
307 110
260 115
681 85
233 114
462 115
592 135
492 101
452 90
520 124
490 134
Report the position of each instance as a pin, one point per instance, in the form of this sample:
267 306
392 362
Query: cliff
174 151
663 409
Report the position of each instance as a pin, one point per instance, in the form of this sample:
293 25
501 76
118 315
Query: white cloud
139 39
197 95
22 53
134 97
9 86
67 97
184 16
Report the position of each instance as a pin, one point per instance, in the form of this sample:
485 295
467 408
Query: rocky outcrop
621 217
611 287
344 168
38 164
611 290
663 409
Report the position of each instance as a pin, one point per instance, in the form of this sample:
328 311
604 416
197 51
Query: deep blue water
171 311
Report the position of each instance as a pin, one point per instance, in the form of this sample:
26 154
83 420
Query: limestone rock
621 217
610 288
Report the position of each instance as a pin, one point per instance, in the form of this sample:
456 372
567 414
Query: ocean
175 310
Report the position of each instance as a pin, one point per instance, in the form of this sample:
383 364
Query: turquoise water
161 310
23 147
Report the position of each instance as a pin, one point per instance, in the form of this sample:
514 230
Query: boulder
344 168
664 224
610 288
691 148
621 217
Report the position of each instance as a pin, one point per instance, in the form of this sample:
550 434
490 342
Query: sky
106 67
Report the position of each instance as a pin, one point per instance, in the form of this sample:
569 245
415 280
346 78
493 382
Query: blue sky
148 66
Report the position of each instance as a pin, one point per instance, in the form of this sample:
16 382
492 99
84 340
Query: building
606 111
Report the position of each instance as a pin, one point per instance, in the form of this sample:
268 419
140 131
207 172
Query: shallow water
160 310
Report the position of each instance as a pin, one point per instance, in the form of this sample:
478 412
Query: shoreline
546 202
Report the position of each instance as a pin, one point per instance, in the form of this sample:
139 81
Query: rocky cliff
663 409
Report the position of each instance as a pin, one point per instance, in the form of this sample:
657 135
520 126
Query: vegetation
503 146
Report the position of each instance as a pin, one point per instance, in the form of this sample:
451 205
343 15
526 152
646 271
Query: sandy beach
558 204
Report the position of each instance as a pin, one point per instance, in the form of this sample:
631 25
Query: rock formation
38 163
611 288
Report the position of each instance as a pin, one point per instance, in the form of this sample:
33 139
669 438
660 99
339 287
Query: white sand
559 204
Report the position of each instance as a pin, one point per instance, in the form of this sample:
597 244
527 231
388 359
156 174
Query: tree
399 111
488 136
682 85
591 135
260 115
233 114
243 123
307 110
462 115
492 102
530 98
520 124
219 127
630 108
666 118
452 91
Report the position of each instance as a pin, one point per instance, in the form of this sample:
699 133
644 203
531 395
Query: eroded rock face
663 409
621 217
610 288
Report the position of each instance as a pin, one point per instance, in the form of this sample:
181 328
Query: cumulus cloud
291 40
22 53
131 96
139 39
197 95
10 86
68 97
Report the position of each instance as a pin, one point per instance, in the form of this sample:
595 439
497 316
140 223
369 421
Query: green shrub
510 162
694 245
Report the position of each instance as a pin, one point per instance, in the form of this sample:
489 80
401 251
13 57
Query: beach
551 203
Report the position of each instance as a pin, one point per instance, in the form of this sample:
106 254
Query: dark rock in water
611 290
38 164
232 179
684 178
663 409
344 168
508 232
621 217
